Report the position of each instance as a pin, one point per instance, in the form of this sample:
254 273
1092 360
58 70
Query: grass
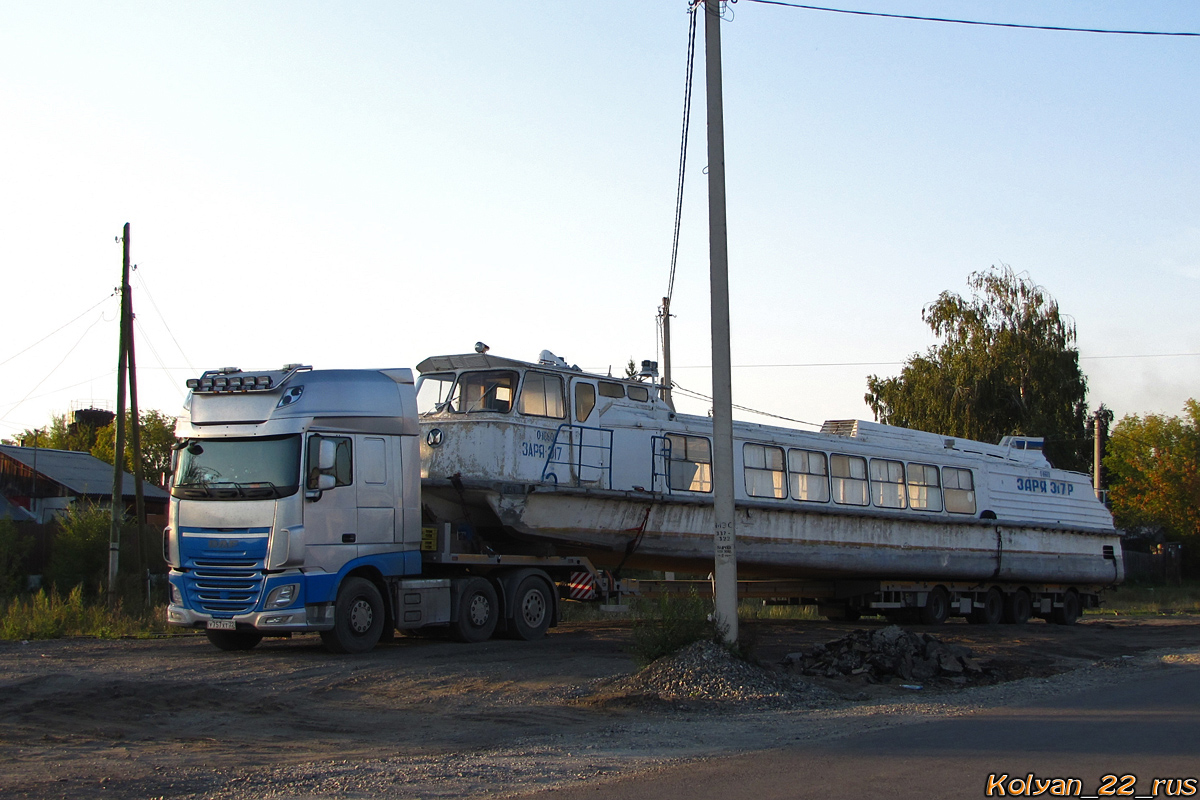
1144 600
48 615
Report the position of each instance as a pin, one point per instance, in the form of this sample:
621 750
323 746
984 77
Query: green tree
59 435
1006 365
157 439
1153 465
79 554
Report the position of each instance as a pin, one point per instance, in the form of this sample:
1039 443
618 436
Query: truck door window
542 395
585 401
484 391
341 469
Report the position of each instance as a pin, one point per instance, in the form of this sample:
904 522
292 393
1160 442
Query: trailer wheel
532 608
1017 608
1068 612
937 607
993 608
477 612
234 640
357 618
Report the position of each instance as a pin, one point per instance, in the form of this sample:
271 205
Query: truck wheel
532 609
357 618
477 612
993 608
937 607
1068 612
234 640
1017 608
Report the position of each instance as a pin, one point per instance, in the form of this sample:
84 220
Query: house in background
46 482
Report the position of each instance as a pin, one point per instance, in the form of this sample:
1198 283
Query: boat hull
662 532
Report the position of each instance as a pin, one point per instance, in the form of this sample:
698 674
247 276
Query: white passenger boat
558 461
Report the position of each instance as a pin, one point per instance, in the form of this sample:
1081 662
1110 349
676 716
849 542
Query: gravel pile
706 675
888 655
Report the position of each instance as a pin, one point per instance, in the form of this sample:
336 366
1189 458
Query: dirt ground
175 717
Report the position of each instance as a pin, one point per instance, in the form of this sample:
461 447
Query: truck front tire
358 617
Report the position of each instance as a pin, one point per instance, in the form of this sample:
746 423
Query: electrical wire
699 396
683 144
56 330
916 18
51 372
154 352
142 281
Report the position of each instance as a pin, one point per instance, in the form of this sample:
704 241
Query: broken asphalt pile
892 655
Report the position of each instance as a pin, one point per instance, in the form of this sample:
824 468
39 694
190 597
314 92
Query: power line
51 372
1056 28
56 330
687 115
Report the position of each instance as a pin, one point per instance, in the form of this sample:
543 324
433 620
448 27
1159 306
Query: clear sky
366 184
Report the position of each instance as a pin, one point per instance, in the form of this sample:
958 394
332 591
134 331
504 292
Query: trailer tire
937 607
532 609
1068 612
478 612
1018 607
234 640
358 617
993 608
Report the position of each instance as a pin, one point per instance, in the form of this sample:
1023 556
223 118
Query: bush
670 622
14 549
79 555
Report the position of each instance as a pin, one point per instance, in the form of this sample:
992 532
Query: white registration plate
222 625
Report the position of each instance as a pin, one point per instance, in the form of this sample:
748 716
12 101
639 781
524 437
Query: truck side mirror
325 481
327 457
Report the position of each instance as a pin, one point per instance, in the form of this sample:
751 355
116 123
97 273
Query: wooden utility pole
118 493
724 522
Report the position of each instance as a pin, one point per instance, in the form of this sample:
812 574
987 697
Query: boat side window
924 487
542 395
960 490
690 467
611 389
585 400
849 474
887 483
433 393
639 393
341 469
763 467
808 475
484 391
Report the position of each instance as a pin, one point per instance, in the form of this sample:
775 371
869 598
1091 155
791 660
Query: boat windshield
237 469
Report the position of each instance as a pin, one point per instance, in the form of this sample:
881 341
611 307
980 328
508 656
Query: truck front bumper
316 617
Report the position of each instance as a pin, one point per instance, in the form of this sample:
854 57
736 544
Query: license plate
222 625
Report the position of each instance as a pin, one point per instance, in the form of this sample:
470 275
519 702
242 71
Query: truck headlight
282 596
176 595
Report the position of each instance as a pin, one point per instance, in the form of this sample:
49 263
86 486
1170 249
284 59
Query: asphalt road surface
1116 741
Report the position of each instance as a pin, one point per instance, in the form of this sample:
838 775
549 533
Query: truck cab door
331 514
376 490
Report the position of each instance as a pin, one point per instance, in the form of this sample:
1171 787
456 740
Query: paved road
1149 729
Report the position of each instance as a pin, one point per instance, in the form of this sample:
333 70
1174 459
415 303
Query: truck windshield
238 469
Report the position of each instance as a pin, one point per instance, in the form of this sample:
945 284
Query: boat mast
724 530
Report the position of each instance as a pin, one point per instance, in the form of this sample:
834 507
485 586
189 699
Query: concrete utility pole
665 391
1097 455
724 520
118 506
